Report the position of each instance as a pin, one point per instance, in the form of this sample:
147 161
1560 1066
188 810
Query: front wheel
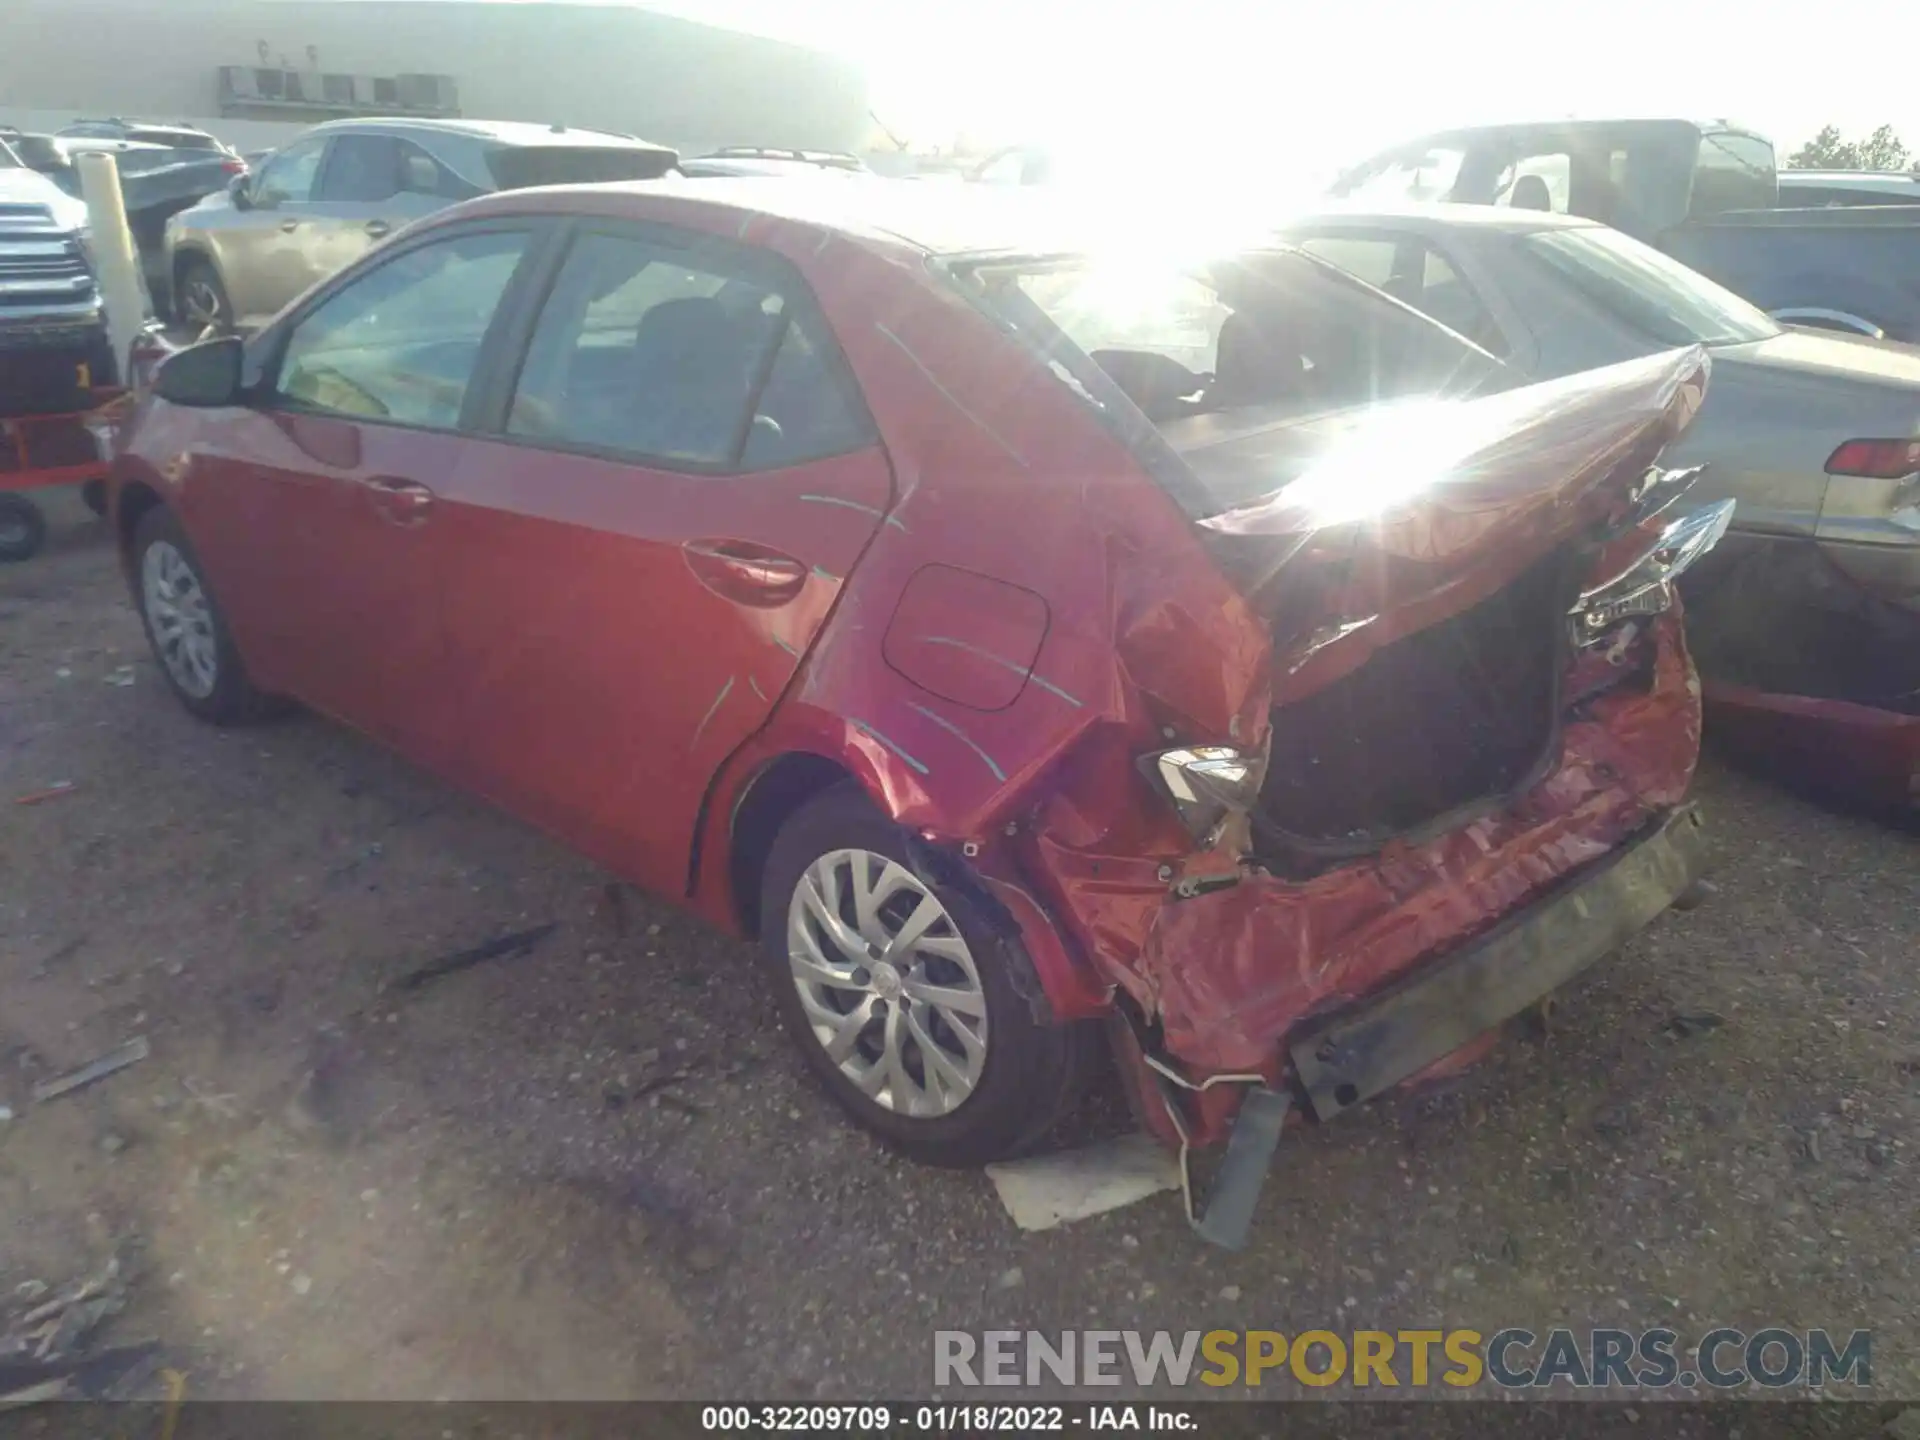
185 627
898 991
200 299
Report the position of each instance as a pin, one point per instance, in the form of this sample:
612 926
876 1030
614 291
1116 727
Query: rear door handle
377 228
400 502
746 573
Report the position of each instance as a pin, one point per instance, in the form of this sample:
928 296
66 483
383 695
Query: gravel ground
595 1169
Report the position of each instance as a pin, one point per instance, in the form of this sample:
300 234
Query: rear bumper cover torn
1359 1051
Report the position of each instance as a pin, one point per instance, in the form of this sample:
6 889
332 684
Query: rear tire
960 1079
185 627
23 529
200 299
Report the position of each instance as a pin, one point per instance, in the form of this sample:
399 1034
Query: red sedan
1036 642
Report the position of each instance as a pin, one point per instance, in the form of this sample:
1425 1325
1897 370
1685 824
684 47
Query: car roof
940 220
518 133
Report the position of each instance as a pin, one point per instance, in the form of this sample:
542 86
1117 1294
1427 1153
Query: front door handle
746 573
377 228
400 502
287 227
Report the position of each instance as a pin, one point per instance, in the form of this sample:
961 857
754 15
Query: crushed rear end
1462 782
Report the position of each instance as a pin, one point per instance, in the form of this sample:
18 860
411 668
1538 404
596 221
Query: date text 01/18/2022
941 1419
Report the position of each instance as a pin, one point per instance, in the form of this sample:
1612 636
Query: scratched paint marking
877 514
712 710
755 686
952 399
786 647
825 574
1046 685
960 735
865 729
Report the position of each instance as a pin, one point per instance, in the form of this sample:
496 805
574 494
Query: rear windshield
1272 330
1268 328
516 167
1658 296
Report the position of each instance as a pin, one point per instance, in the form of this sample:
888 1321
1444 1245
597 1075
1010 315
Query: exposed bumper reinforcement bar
1354 1054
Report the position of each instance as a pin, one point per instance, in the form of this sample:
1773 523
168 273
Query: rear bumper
1363 1049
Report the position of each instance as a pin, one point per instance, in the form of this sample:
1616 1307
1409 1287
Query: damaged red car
1037 643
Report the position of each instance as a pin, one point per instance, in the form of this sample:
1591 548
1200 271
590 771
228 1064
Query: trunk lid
1415 513
1417 580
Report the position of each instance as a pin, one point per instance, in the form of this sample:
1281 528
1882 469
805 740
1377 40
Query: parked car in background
1809 613
1709 195
765 160
1849 187
54 345
320 202
675 518
174 136
157 180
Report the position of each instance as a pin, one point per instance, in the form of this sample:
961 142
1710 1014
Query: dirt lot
595 1170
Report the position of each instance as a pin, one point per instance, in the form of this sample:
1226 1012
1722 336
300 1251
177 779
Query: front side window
400 342
289 175
1638 285
649 351
362 168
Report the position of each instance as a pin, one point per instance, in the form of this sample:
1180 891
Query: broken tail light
1208 785
1646 586
1876 459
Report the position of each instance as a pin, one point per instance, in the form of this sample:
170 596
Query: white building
601 66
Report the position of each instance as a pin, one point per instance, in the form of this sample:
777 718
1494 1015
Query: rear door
636 563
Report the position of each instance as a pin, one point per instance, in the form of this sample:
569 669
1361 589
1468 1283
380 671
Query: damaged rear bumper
1355 1053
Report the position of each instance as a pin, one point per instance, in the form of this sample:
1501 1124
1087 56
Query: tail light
1207 784
1646 586
234 165
1876 459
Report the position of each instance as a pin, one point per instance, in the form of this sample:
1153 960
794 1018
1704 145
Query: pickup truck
1709 194
54 348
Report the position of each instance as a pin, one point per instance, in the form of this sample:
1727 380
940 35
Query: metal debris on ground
1048 1190
115 1060
121 676
52 792
520 943
1682 1027
42 1347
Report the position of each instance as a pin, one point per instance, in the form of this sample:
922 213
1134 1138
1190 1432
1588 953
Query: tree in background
1881 150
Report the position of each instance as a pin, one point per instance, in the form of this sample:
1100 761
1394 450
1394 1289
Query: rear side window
399 342
515 167
649 351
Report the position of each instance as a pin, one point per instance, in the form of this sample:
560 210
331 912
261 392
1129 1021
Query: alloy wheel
181 619
887 983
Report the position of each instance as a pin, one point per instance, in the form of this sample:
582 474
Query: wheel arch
775 791
136 498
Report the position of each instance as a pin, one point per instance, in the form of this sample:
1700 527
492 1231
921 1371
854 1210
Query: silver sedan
1815 434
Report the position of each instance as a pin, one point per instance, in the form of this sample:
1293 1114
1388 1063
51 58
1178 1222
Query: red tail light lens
1876 459
234 165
